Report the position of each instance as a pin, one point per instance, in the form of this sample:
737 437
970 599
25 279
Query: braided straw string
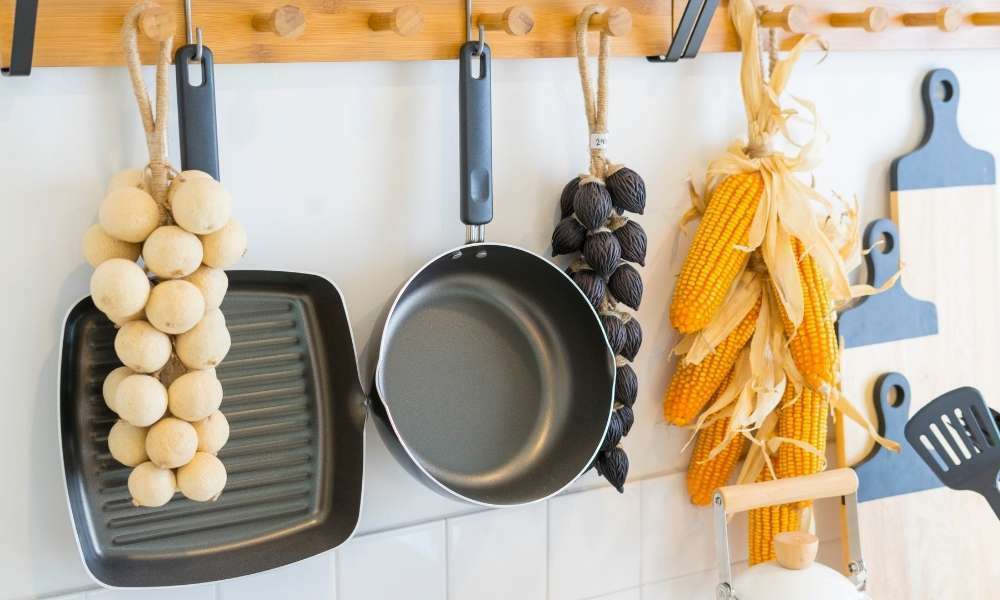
596 106
155 125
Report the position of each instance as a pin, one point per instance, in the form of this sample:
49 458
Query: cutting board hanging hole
894 396
883 473
893 314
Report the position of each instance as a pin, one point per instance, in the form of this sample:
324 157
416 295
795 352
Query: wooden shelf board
75 33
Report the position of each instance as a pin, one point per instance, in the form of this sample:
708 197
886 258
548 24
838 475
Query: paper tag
598 141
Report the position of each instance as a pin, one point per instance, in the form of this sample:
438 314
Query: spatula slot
942 446
961 450
939 464
972 431
986 427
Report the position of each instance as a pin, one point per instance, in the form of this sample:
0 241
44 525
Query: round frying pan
494 374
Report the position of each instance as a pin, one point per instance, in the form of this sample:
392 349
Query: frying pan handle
196 112
741 498
475 130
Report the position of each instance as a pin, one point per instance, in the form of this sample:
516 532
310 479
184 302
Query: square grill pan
295 455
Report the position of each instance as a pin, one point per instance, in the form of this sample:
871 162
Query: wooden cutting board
937 543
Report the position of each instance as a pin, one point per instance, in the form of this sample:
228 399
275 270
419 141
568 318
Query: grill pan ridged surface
294 456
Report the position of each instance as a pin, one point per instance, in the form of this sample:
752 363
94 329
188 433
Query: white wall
350 170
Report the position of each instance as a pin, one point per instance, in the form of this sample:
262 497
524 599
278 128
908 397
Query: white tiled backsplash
649 543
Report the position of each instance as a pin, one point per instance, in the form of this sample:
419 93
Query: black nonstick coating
496 375
295 455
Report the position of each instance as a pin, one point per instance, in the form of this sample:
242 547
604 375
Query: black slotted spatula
956 435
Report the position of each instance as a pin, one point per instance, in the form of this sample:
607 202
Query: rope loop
595 103
154 119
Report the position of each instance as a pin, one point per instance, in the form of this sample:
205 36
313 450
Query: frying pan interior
491 375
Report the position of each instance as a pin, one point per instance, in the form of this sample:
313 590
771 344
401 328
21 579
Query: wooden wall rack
865 25
77 33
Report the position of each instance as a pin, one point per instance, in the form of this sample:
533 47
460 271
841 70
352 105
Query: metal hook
192 32
468 29
482 41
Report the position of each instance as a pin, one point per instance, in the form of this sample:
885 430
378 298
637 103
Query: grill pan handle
196 111
475 130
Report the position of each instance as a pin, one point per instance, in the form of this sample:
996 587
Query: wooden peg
946 19
157 23
516 20
872 20
287 21
405 20
987 19
615 21
792 19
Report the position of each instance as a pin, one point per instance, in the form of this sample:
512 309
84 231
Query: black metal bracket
22 45
690 31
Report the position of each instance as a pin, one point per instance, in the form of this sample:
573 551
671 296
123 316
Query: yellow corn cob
693 385
806 421
705 476
765 523
813 346
714 262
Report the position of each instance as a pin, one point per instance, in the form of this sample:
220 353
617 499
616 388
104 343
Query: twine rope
154 119
595 103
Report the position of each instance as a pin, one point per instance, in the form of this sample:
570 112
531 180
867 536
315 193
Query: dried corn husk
789 209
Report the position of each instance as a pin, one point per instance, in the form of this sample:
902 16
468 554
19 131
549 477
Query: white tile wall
499 554
310 579
632 594
688 587
649 543
404 563
669 516
191 592
594 543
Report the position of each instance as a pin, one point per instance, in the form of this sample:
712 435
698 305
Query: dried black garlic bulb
568 237
592 205
626 385
614 329
628 190
613 466
566 198
602 252
632 240
591 284
633 338
614 434
625 285
627 418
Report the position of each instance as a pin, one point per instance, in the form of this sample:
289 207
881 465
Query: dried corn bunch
694 384
596 231
716 257
767 522
803 420
713 458
756 297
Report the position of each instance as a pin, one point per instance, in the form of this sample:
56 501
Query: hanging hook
468 29
192 32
